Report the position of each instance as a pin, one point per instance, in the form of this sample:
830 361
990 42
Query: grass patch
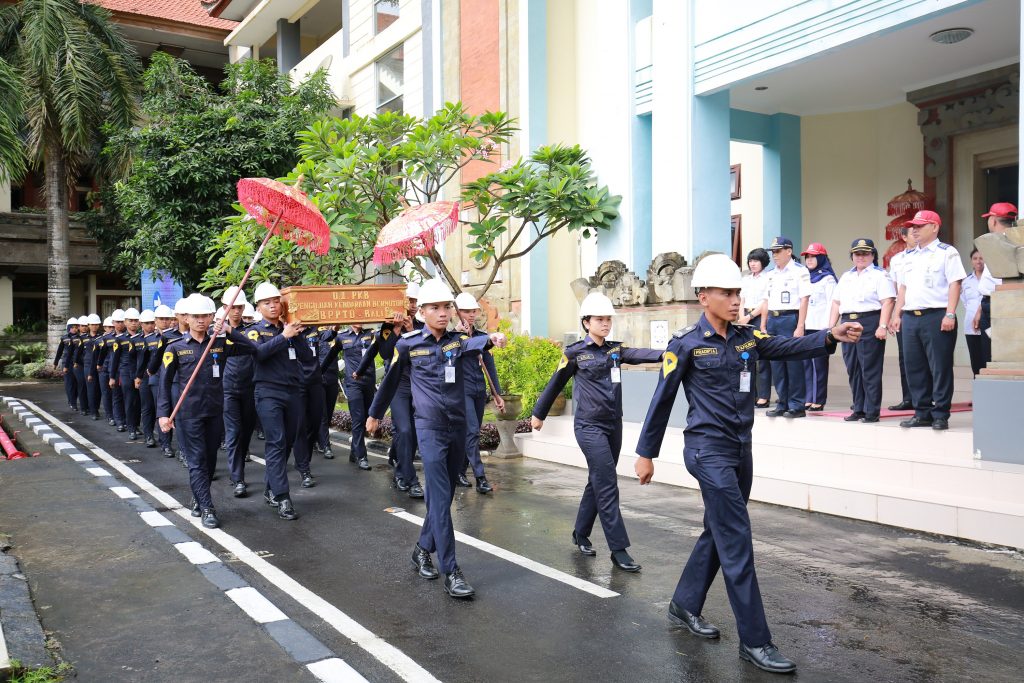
45 674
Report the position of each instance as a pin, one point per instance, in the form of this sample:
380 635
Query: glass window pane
390 76
385 13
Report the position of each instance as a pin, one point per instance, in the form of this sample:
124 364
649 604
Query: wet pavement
848 600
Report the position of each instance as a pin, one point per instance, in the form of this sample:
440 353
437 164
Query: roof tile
181 11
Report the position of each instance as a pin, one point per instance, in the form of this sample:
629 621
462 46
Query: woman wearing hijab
823 282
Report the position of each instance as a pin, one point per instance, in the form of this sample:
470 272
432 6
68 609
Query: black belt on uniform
986 297
922 311
861 314
788 311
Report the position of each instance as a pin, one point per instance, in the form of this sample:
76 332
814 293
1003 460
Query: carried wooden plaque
342 304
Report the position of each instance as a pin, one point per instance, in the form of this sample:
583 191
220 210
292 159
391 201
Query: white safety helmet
117 316
82 320
93 319
179 306
219 315
434 292
131 314
419 316
147 316
108 322
717 270
258 316
240 300
466 302
265 290
412 290
163 311
596 303
72 321
248 311
197 304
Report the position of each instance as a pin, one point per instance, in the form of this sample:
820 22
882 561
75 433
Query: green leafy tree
12 149
79 74
179 169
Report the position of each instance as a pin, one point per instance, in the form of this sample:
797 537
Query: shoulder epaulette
411 334
685 331
878 268
578 342
942 245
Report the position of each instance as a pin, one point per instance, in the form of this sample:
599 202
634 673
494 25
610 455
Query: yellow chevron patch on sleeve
254 335
168 357
562 363
761 335
668 363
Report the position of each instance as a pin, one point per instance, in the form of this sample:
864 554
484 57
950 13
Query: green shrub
14 371
29 353
525 365
30 369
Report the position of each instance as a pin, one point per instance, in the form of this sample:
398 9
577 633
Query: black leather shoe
902 405
761 406
285 509
915 422
483 486
194 504
111 422
181 459
768 658
416 491
853 417
328 455
95 417
815 409
940 424
307 480
462 481
583 545
622 560
868 419
210 520
260 435
248 457
122 428
364 464
694 623
150 442
351 456
455 585
133 435
168 453
776 412
239 489
423 564
269 497
317 449
795 413
392 463
400 484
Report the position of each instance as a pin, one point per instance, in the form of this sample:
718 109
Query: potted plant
513 406
558 407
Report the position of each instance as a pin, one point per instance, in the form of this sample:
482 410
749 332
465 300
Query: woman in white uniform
752 295
823 283
975 289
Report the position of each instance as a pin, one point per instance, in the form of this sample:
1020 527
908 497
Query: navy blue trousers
309 425
864 361
331 391
403 436
725 476
280 411
164 438
239 423
118 400
92 388
199 438
147 400
816 379
474 418
132 408
601 445
788 375
106 394
763 376
83 389
929 361
360 396
903 368
442 451
70 386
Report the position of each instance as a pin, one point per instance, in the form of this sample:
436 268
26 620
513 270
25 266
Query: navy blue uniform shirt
596 398
105 350
475 384
180 360
354 349
166 337
64 349
383 345
274 364
709 368
239 369
150 347
90 352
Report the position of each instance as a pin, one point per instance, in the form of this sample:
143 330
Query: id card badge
216 370
744 382
291 353
785 297
362 352
449 374
616 376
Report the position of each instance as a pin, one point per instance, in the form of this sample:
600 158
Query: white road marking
525 562
334 670
61 447
97 471
154 518
80 457
123 492
389 655
255 605
195 553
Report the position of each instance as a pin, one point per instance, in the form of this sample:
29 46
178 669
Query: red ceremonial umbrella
285 211
415 231
910 201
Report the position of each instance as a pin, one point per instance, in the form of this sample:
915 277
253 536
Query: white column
90 292
6 301
5 196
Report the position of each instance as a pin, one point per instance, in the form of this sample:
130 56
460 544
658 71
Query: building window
390 80
385 13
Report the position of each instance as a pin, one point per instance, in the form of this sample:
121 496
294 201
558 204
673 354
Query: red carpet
956 408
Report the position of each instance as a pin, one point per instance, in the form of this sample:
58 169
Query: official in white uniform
977 287
865 294
896 267
926 312
785 303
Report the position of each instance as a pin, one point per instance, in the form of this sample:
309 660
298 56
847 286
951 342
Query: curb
21 634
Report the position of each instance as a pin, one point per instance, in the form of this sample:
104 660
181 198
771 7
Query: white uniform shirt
897 266
987 284
786 286
820 304
971 298
864 291
753 288
928 272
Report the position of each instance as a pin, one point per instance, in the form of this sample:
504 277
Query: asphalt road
848 600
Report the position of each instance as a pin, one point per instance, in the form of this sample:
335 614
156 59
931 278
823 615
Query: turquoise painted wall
535 136
710 195
642 168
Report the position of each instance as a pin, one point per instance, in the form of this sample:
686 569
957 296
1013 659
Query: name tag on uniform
449 374
291 353
745 382
362 352
785 297
616 376
216 370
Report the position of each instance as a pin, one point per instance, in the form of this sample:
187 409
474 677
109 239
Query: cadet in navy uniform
103 348
147 392
435 360
329 379
278 403
67 342
714 360
201 417
124 366
926 313
90 354
595 362
476 391
78 352
239 401
865 294
353 345
167 322
312 392
787 295
120 336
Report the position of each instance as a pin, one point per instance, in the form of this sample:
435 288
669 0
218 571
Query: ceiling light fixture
950 36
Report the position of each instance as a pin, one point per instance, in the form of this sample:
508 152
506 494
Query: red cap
814 249
1001 210
923 218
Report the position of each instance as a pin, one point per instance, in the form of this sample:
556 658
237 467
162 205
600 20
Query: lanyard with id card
745 374
449 369
291 353
616 373
215 368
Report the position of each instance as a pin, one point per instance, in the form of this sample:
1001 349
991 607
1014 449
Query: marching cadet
929 293
354 345
714 360
435 360
278 404
126 367
329 378
476 391
167 325
67 342
865 294
201 416
147 396
239 402
78 353
120 336
312 392
595 362
784 313
90 354
103 355
897 265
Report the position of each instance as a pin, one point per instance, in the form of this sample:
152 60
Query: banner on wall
158 287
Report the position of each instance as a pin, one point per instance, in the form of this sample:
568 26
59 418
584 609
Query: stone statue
1003 252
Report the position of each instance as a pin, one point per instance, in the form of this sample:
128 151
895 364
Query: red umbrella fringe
418 244
301 221
892 230
910 201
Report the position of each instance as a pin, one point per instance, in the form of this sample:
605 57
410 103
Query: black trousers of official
132 408
443 451
788 375
816 378
70 386
106 394
331 391
929 362
903 368
601 444
92 388
280 411
147 401
725 475
979 347
199 438
360 396
403 436
239 423
763 376
83 389
864 362
474 419
309 425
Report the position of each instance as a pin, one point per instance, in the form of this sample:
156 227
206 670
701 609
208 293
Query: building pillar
709 191
783 212
238 53
90 292
289 49
6 301
5 196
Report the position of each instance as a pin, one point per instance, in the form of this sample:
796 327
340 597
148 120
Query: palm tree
79 73
12 150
